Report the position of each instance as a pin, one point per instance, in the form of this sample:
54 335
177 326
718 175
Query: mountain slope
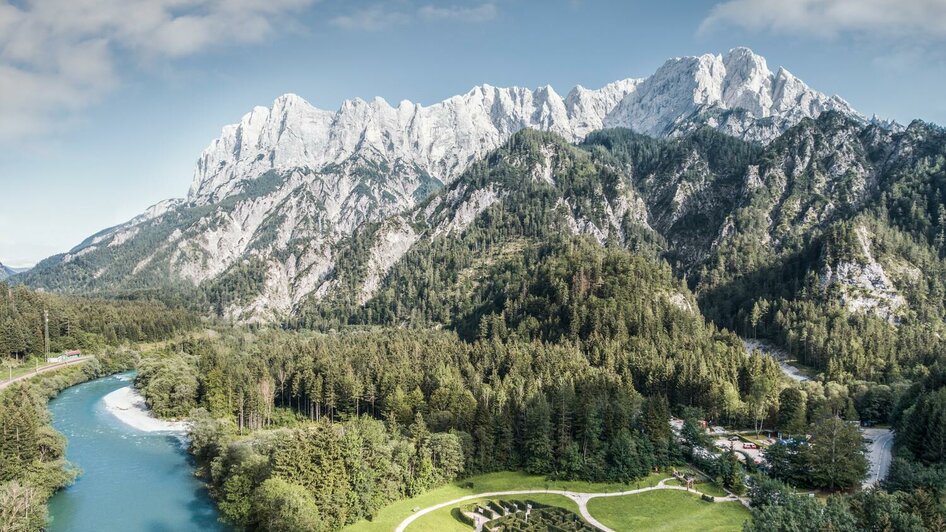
736 93
274 195
786 242
5 272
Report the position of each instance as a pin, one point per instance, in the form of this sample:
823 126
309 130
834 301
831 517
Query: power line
46 332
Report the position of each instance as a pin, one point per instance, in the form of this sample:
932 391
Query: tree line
79 322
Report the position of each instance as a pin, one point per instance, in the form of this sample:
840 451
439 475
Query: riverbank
31 396
131 479
130 408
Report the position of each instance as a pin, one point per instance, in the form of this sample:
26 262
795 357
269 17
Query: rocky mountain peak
706 88
443 138
278 190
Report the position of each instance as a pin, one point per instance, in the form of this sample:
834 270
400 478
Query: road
879 454
779 355
580 498
44 369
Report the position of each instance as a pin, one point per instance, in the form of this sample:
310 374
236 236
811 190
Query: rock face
737 94
438 140
863 284
274 194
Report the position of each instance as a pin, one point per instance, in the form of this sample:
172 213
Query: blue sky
106 104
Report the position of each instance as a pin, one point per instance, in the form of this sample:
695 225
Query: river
132 480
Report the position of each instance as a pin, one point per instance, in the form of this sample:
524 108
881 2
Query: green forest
32 464
80 322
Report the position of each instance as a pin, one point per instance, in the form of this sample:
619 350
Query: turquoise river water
131 480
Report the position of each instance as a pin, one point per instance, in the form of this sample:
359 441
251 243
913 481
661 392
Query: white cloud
372 18
829 18
480 13
379 17
59 56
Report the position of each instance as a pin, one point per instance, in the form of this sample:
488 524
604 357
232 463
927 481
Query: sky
105 105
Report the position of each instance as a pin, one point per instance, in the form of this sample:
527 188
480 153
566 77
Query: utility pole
46 332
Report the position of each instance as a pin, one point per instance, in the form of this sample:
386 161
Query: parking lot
742 447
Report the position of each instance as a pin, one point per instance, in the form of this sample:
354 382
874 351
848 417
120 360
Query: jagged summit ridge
442 139
686 87
275 197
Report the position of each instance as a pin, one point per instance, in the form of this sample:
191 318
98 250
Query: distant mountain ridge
6 271
275 195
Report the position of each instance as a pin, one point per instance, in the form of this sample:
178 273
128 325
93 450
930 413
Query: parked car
749 446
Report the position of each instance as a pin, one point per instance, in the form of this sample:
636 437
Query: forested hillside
349 422
80 322
816 239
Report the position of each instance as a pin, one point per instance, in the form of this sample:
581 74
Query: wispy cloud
60 56
379 16
371 18
830 18
479 13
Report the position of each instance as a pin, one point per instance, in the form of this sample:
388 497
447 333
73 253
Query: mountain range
7 272
783 213
278 192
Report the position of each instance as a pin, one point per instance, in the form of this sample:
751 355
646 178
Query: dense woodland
79 322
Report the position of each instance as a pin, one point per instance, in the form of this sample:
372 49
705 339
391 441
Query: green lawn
443 521
391 515
667 511
710 488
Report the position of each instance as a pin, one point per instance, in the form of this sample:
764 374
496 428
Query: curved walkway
879 454
580 498
44 369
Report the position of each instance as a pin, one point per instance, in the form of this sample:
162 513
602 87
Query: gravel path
779 355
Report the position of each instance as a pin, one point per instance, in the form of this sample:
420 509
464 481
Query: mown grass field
667 510
679 511
390 516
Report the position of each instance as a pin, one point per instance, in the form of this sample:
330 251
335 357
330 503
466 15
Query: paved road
580 498
44 369
879 454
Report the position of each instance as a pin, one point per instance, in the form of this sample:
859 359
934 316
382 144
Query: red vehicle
749 446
